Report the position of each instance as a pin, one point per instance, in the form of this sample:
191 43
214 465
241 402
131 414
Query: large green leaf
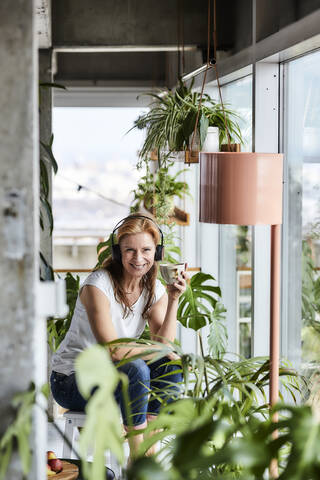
49 153
102 430
18 432
203 127
218 336
197 303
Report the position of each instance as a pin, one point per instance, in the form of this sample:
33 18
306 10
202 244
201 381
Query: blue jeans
149 386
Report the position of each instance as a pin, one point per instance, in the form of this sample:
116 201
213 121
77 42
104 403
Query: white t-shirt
80 336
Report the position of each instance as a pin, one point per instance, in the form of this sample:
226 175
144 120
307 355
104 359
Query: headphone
115 248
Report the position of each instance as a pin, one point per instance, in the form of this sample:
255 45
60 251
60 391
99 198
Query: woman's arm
97 307
163 314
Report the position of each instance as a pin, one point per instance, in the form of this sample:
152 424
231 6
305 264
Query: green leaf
94 368
47 207
19 430
189 124
203 127
52 85
5 455
218 335
196 304
49 153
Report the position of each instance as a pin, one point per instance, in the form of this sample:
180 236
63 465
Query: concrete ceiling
132 41
135 43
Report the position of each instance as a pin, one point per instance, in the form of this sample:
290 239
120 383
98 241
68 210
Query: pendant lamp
241 188
246 189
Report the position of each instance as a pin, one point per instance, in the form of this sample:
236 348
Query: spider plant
172 118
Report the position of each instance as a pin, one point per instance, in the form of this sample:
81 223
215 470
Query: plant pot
177 156
233 147
154 155
151 203
241 188
180 217
191 157
211 143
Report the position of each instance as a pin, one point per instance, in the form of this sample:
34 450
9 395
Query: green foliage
172 118
172 253
310 289
58 327
46 157
243 245
94 368
208 440
46 160
18 432
218 336
197 303
156 192
310 306
104 251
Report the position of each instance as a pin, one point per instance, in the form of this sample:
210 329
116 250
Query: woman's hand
177 288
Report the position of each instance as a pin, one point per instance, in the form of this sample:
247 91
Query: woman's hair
130 226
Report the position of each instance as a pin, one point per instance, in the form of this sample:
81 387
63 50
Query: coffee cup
172 271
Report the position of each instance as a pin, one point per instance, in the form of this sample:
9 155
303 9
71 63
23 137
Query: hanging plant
156 193
172 118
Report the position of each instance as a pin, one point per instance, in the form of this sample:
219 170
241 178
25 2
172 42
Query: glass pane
92 190
238 97
304 140
235 241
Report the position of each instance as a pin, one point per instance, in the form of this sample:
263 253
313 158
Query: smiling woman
117 301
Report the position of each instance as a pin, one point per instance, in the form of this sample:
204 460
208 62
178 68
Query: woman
117 301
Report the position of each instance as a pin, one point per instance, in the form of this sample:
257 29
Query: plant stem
205 369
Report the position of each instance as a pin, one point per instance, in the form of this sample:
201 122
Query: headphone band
124 220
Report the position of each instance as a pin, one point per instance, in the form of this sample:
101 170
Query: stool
75 420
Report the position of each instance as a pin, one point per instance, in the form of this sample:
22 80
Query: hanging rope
210 64
204 79
182 34
217 73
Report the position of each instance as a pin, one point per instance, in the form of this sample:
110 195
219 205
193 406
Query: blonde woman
117 301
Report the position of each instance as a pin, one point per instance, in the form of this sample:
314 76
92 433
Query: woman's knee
138 371
166 369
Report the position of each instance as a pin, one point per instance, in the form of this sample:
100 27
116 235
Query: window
303 158
92 190
234 259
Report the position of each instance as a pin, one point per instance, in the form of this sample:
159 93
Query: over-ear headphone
115 248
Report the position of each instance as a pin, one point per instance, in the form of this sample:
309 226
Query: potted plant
172 118
156 193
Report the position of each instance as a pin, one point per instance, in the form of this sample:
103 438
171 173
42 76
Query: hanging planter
232 147
191 156
180 217
153 155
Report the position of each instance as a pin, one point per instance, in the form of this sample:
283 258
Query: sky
93 149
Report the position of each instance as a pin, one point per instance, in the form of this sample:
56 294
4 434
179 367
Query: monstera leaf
104 251
198 302
94 368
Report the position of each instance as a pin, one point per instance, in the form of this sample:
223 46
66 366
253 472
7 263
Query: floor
55 443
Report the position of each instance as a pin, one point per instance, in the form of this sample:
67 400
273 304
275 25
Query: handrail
88 270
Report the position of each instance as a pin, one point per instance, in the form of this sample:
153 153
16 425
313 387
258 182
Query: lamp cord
204 78
217 73
205 75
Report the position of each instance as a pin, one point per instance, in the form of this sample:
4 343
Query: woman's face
137 253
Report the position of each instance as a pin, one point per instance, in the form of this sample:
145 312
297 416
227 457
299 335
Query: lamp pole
274 329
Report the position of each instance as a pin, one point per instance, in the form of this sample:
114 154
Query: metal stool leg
68 431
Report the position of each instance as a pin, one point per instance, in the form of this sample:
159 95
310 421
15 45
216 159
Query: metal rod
274 328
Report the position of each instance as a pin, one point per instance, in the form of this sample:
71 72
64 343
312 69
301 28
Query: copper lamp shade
241 188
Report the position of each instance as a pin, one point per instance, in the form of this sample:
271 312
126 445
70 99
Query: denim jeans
149 386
